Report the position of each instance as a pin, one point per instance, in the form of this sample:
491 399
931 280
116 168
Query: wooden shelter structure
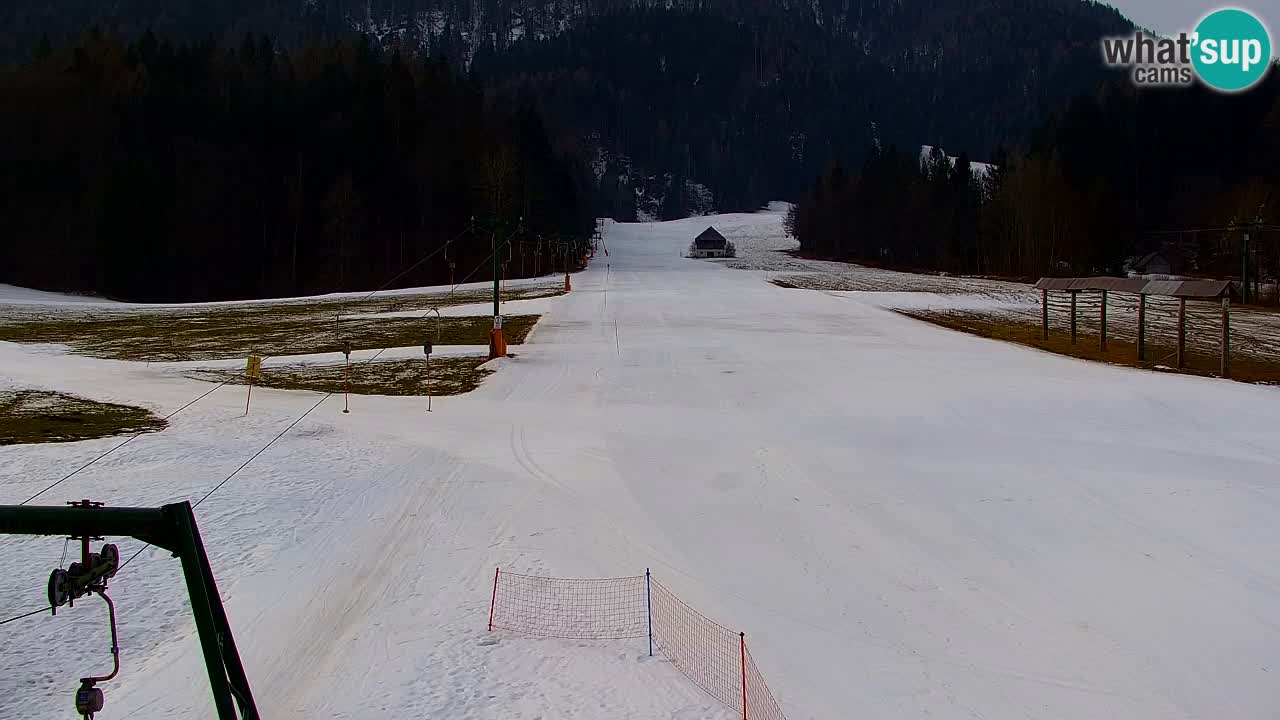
711 244
1182 290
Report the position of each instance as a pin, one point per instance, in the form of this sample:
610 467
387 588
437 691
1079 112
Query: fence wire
712 656
571 609
708 653
761 705
589 609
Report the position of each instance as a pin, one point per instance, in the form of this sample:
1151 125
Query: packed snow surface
14 295
907 521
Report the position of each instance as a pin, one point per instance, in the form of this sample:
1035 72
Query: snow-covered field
907 521
1255 333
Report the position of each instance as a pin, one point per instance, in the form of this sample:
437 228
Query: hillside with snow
909 522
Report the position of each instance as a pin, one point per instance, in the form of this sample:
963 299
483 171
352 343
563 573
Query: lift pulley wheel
110 556
59 589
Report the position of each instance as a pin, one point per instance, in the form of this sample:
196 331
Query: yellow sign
254 368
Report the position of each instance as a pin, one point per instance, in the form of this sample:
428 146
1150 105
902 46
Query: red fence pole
742 645
494 599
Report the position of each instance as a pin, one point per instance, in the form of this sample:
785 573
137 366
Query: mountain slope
750 98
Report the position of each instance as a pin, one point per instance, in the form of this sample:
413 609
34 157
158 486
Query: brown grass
1199 361
288 327
227 332
445 376
40 416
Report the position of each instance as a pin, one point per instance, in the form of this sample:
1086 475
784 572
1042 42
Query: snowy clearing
442 295
1255 333
907 521
13 295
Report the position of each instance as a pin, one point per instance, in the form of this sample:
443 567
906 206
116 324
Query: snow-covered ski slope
908 522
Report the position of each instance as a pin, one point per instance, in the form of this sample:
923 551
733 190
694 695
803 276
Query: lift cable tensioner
170 527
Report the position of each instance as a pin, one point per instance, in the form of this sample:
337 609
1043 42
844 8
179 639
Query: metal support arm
173 528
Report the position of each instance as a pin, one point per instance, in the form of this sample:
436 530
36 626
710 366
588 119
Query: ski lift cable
411 268
135 436
43 608
221 384
253 457
114 448
235 472
202 499
263 449
444 247
282 433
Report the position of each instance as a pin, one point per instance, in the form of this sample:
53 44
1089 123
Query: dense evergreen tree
153 171
754 104
1092 188
749 100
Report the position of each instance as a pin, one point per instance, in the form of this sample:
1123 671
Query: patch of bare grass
444 376
222 332
41 416
1120 351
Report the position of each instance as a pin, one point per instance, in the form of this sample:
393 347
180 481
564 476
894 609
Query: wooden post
1044 314
1142 327
1182 332
1073 316
1244 270
1226 337
253 370
1102 339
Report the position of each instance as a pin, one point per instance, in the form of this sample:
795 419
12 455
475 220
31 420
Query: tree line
1116 173
682 106
753 103
154 171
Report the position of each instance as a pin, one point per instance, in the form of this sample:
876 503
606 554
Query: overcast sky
1170 16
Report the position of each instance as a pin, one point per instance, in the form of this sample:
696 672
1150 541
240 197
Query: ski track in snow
907 521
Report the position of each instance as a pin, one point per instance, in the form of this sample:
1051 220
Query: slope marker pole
648 601
493 600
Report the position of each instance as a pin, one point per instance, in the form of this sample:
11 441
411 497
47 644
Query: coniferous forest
158 172
1116 173
198 162
754 105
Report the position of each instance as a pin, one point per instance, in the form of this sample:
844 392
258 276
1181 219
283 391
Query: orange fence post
637 606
